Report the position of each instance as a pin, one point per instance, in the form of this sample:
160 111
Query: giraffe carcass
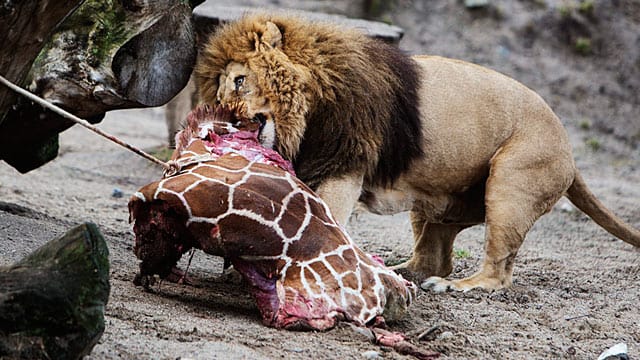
236 199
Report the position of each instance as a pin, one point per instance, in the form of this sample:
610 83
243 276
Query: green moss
163 153
593 143
101 26
587 7
374 9
583 46
109 31
387 19
541 3
461 253
585 124
565 11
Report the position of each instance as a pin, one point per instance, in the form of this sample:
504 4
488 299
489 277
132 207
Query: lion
453 143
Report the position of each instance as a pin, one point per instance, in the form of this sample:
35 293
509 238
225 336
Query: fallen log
52 302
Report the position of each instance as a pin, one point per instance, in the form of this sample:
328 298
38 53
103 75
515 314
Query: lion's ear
272 36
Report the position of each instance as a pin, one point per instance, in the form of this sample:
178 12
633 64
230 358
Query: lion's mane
342 102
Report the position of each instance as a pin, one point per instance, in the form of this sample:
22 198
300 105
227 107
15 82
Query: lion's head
332 101
251 68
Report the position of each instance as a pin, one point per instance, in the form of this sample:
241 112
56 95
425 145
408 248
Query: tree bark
22 38
52 301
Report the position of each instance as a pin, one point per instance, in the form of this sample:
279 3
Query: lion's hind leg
518 192
432 249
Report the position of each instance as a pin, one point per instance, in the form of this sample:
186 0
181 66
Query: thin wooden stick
168 168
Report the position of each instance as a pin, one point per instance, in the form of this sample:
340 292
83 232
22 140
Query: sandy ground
575 291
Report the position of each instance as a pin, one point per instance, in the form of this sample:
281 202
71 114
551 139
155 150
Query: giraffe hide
235 199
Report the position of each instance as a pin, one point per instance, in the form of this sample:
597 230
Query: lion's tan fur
490 149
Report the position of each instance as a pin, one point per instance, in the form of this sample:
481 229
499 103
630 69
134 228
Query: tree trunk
52 301
106 55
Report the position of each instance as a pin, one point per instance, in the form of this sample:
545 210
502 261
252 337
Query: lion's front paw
478 281
438 284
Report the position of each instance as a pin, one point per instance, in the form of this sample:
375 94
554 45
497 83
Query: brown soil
576 287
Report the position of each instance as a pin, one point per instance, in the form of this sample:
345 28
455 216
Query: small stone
503 51
446 335
566 206
117 193
616 352
363 332
475 3
371 355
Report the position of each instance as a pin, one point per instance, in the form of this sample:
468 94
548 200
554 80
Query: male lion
455 143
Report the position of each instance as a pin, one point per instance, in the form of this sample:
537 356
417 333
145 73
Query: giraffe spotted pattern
236 199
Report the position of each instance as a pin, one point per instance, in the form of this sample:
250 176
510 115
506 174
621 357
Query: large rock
209 15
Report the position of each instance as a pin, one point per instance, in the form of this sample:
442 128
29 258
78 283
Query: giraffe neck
209 146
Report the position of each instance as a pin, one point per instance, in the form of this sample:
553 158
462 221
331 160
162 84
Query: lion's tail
585 200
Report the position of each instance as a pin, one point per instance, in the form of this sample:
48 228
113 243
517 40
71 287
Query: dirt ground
576 287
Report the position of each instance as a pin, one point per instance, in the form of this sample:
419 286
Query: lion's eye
238 81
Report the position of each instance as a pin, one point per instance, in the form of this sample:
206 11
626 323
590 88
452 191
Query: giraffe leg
516 196
432 250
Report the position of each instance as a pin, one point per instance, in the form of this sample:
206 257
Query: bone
237 199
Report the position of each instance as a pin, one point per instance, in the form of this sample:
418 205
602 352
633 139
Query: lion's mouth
262 119
266 130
